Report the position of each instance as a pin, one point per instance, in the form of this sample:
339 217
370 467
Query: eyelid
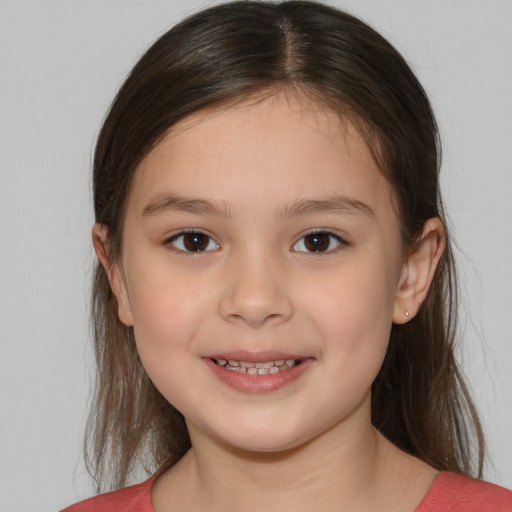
342 242
169 241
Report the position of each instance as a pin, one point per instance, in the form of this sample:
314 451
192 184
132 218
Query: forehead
264 142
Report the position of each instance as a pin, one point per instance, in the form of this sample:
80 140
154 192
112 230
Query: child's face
295 253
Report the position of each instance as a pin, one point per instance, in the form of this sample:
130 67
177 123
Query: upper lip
255 357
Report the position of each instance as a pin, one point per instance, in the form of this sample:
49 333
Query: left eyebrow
332 205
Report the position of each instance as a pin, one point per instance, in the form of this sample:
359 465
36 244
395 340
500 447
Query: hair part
226 54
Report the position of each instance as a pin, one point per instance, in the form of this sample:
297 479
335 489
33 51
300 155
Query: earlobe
114 273
418 271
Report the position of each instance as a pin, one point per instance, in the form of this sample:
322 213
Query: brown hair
226 53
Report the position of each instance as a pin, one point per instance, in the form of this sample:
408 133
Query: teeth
264 365
259 368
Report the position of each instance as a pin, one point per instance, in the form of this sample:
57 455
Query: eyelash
182 234
209 240
319 232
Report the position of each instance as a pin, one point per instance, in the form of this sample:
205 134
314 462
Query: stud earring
407 313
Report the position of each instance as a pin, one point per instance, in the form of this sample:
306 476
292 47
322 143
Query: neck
340 470
293 480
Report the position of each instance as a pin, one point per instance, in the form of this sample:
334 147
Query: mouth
258 373
257 368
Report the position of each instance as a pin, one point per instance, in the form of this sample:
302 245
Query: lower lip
257 384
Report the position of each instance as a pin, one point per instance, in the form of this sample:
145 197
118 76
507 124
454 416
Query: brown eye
193 242
318 242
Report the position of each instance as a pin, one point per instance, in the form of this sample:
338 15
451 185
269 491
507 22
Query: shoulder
136 498
451 492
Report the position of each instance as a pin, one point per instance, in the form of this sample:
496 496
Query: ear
418 271
114 273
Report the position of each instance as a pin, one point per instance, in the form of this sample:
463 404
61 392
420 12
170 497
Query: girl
275 294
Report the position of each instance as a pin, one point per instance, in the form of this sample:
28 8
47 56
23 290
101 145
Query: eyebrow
335 205
176 203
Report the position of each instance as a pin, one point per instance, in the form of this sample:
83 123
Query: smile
260 368
265 373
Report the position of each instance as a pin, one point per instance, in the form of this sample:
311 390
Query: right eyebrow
176 203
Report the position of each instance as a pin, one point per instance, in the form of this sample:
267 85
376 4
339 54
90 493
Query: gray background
60 65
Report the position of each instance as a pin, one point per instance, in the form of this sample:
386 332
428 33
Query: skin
309 445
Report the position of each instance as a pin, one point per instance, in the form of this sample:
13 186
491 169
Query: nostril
253 295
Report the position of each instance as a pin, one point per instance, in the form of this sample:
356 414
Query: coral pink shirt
449 493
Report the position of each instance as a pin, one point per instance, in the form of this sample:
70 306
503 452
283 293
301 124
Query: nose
256 292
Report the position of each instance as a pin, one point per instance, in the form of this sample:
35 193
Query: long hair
225 54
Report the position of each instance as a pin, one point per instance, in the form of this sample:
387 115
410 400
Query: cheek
167 309
359 298
355 318
166 321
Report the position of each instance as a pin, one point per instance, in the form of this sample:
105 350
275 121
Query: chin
261 439
263 448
